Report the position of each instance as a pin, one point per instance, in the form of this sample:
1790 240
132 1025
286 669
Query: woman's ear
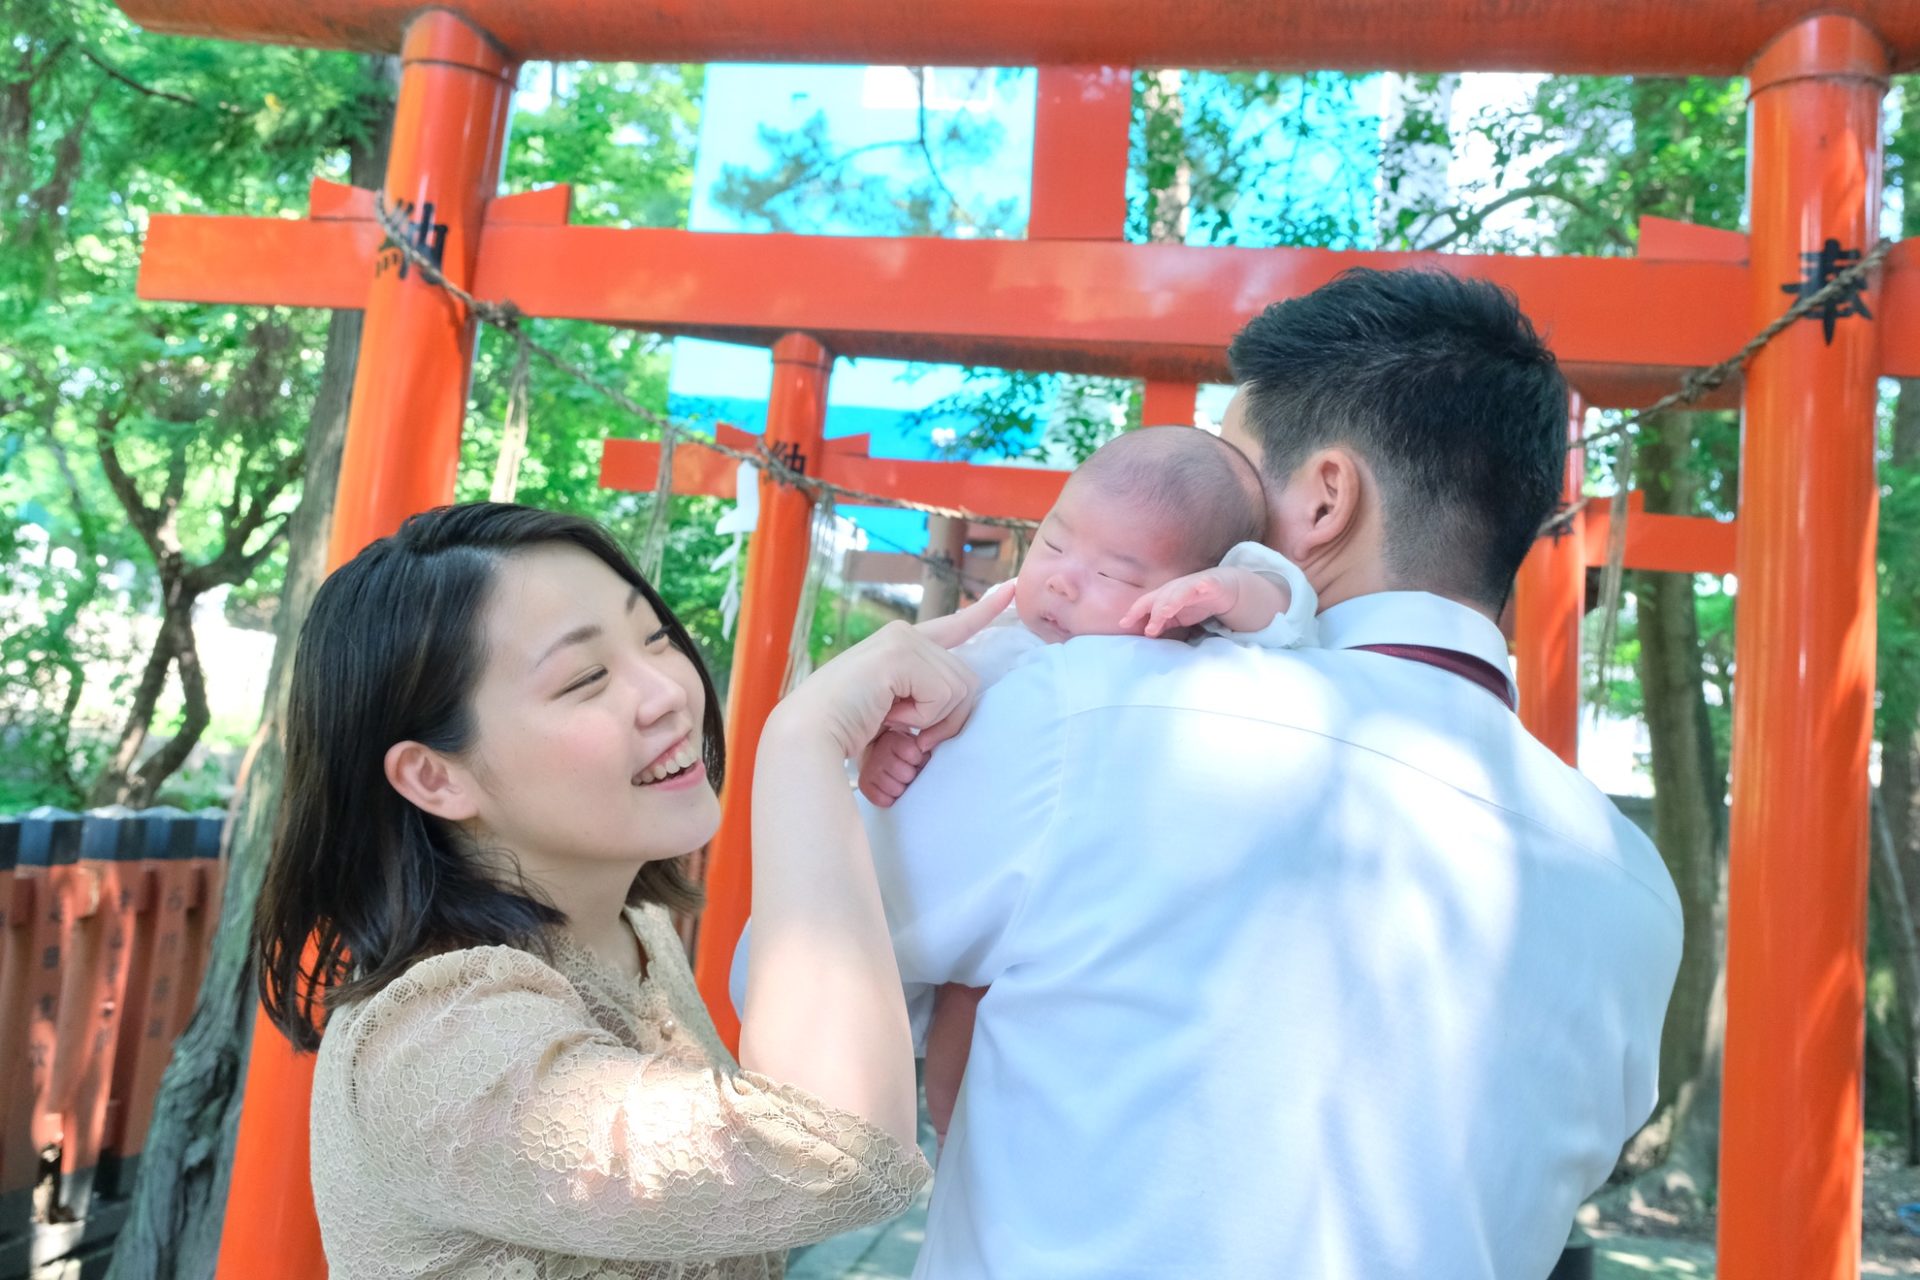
430 782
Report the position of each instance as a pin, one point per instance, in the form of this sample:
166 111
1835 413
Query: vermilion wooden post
776 571
1549 602
1790 1173
403 444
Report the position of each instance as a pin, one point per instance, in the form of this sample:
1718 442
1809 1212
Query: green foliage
1596 154
1899 577
842 620
101 127
1899 551
623 134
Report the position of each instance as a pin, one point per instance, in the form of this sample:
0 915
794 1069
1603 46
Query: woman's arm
483 1092
823 1008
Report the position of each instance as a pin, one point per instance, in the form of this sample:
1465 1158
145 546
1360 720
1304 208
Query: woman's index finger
957 628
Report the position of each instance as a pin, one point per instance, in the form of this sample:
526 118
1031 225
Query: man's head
1411 430
1149 506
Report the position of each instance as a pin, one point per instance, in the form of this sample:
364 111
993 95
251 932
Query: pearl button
667 1027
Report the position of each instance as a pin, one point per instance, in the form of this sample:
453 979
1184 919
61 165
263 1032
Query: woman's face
589 740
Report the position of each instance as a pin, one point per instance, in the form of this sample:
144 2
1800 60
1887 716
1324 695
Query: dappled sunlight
1655 1258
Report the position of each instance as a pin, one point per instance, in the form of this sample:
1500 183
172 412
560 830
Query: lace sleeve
483 1089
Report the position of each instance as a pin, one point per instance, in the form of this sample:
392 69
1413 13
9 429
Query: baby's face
1091 559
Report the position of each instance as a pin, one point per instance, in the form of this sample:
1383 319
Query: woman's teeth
686 756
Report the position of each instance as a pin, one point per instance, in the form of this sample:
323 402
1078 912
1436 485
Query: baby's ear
432 783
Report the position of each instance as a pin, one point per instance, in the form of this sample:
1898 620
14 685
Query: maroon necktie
1478 670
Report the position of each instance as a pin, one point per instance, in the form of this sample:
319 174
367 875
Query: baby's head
1150 506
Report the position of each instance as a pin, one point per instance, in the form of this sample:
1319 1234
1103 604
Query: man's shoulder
1406 726
1087 672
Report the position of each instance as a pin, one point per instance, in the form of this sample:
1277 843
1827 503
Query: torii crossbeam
1070 297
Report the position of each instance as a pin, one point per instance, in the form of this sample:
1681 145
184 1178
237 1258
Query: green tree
168 438
1894 1027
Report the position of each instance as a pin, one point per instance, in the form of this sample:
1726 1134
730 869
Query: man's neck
1352 586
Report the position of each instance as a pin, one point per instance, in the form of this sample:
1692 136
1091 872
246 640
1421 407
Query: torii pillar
775 575
1791 1122
402 449
1549 600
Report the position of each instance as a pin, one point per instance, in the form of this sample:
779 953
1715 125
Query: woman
499 744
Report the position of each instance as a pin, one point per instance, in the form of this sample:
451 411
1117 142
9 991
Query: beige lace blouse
493 1115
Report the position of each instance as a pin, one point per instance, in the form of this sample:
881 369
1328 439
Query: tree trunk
1891 897
1689 785
1897 820
940 588
114 783
173 1228
1170 208
162 764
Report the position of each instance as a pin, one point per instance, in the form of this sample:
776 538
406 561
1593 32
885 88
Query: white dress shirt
1007 642
1305 963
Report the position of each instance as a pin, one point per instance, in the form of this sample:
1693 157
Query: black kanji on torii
788 454
1821 267
426 235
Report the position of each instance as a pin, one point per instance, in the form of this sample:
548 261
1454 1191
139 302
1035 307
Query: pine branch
145 519
1472 222
164 95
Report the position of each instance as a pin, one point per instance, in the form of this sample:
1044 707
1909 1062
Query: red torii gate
1072 297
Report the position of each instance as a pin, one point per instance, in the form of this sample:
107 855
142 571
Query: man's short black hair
1444 388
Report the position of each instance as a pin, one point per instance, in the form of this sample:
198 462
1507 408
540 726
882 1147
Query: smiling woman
500 744
401 801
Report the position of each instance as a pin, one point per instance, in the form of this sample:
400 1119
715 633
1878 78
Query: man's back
1302 964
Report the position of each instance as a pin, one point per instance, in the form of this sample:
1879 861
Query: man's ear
430 782
1326 494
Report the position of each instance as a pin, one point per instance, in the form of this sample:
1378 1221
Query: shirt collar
1413 617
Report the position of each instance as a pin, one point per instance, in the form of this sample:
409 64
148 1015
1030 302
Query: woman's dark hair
1445 388
361 883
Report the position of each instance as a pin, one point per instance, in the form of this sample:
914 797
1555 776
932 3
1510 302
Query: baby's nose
1060 586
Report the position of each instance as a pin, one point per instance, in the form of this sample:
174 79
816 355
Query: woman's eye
658 640
588 680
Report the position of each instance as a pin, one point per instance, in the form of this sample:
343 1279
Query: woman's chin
690 826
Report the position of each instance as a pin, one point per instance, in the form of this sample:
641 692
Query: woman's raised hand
902 677
823 1004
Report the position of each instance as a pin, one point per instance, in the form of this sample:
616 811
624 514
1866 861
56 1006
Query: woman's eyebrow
579 635
582 634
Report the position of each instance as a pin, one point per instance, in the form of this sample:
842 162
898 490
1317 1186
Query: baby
1157 534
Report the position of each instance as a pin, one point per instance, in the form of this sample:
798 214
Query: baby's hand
1241 599
893 761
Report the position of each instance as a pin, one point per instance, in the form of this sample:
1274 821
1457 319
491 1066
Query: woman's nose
660 695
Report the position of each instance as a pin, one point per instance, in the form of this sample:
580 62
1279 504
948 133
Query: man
1311 963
